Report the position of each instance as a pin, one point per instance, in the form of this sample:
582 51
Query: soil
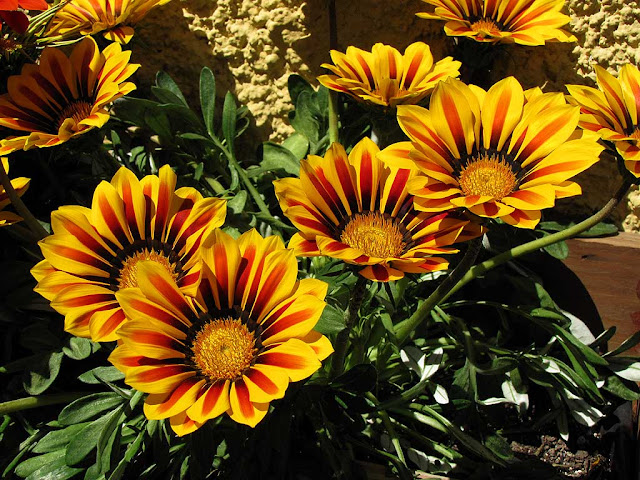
579 465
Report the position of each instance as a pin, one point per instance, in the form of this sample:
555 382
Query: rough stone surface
253 45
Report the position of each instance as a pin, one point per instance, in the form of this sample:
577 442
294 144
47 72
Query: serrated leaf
78 348
44 373
88 407
208 99
163 80
58 439
331 321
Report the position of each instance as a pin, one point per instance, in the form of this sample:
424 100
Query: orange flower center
223 349
129 271
78 111
374 234
488 176
485 25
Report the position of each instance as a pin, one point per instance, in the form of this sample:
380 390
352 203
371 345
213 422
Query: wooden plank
610 270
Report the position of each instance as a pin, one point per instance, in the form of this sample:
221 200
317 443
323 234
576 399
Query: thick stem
351 315
31 221
41 401
404 329
529 247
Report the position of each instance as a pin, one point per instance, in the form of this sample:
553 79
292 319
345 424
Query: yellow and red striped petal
265 383
183 425
159 406
243 410
319 344
294 356
213 400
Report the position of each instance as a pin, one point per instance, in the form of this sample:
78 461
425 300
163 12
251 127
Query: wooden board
610 270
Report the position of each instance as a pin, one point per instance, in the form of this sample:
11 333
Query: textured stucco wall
253 45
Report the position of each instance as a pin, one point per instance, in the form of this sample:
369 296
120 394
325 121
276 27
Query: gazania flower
11 12
20 185
62 96
236 347
386 77
532 22
613 111
94 252
114 18
356 209
496 153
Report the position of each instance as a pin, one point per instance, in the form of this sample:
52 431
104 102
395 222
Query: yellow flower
62 96
247 335
531 22
356 209
20 185
502 154
95 252
613 111
386 77
114 18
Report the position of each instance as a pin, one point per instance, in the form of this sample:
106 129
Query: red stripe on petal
262 381
243 399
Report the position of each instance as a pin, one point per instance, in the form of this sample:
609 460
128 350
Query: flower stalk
351 315
36 228
40 401
543 242
404 329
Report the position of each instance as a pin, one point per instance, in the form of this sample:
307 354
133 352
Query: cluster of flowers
208 324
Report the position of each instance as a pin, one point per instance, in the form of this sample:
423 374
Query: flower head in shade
501 154
613 111
61 97
95 252
532 22
20 185
114 18
386 77
236 347
356 209
11 12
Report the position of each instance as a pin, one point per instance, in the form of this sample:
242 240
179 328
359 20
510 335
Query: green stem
40 401
543 242
386 421
31 221
404 329
351 315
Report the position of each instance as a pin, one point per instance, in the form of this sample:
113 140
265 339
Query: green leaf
88 407
626 368
331 321
360 378
208 99
600 230
87 439
237 203
297 144
229 112
163 80
277 157
100 375
79 348
297 85
304 120
43 374
26 468
629 343
616 386
58 439
157 121
559 250
167 96
499 445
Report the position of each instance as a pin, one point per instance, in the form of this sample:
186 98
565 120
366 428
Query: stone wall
253 45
